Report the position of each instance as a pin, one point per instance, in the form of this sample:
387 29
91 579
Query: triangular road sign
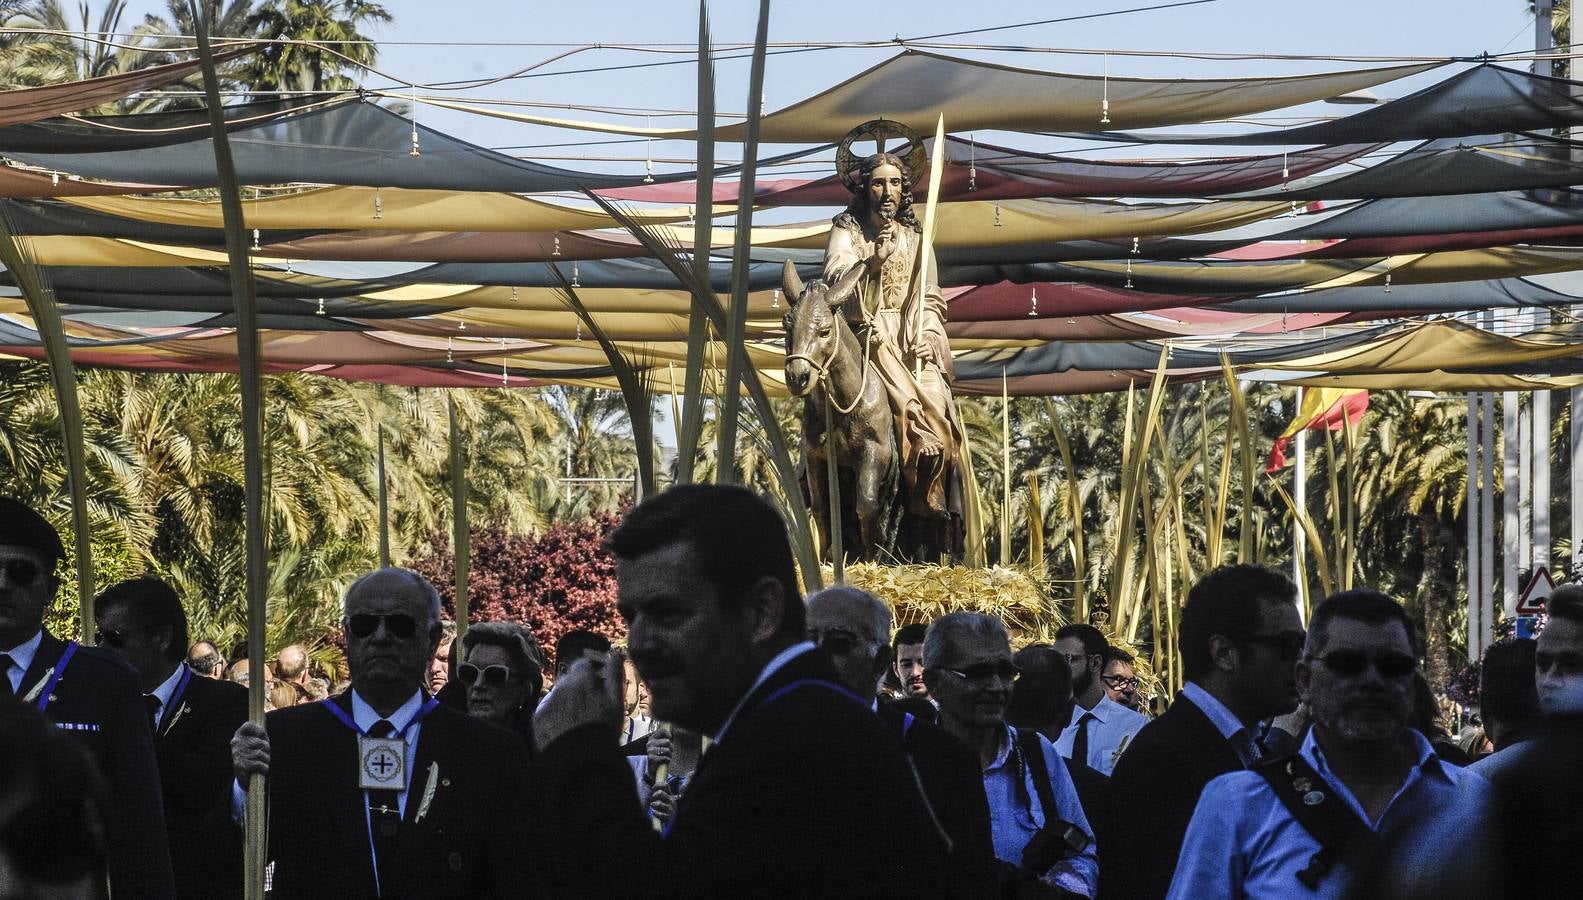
1532 601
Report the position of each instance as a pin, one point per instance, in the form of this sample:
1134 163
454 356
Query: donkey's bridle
820 370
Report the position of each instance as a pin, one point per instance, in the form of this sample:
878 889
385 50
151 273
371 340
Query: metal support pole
1300 495
1540 465
459 534
1575 482
1525 483
1471 513
1511 496
1487 502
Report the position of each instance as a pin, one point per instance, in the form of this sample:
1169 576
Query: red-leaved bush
557 582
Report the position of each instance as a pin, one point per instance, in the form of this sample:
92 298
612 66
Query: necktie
6 690
153 704
1080 742
384 819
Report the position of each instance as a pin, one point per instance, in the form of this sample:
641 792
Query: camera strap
1316 807
1069 838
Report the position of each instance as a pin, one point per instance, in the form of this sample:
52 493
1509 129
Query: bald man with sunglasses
381 791
1296 826
91 695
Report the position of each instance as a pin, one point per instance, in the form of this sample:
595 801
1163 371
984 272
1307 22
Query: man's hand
588 694
659 750
661 804
249 752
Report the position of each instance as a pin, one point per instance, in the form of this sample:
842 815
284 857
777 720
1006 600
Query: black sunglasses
982 674
494 676
1350 664
364 624
1289 646
22 572
115 638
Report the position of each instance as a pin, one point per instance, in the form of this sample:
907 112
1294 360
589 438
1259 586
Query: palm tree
324 38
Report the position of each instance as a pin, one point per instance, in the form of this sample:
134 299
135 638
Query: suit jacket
193 745
99 703
1153 792
471 842
807 795
1093 791
953 782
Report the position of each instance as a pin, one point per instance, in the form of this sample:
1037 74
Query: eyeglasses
1289 646
1351 663
983 674
1120 681
837 642
115 637
22 572
364 624
493 676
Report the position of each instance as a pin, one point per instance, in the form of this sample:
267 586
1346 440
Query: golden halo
879 131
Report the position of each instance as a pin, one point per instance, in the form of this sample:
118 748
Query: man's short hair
1507 691
1566 602
1229 602
431 594
1116 654
735 535
1361 605
291 662
1092 639
152 603
207 662
943 632
21 526
573 644
910 634
1043 687
879 613
518 643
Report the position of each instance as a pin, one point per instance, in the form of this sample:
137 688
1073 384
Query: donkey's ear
791 282
844 286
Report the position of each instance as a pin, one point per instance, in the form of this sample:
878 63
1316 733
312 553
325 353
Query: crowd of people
749 742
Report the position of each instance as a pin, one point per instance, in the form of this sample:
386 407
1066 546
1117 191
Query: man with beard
383 791
804 792
902 327
1101 728
1290 827
908 650
90 695
1041 834
1240 637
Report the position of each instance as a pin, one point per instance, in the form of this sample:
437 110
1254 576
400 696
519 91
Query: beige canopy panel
916 87
1430 347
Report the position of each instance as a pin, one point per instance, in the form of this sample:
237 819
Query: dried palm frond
922 593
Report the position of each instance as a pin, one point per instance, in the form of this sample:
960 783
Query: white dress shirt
21 658
164 692
1113 727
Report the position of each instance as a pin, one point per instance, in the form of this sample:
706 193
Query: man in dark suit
850 626
88 693
382 791
193 718
803 794
1240 638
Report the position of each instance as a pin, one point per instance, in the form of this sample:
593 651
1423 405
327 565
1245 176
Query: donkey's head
813 325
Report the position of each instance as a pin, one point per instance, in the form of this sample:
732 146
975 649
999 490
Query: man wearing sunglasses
803 792
382 791
90 694
1041 834
1295 825
849 626
193 718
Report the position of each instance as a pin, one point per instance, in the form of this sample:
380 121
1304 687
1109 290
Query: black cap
20 526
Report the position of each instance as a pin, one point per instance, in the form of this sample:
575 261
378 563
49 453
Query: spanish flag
1323 409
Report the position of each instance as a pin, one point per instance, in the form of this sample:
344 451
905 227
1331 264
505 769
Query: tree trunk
1433 589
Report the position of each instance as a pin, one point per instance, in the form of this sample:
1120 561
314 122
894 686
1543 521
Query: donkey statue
826 364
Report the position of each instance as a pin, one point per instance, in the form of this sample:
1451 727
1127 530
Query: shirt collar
1219 715
1008 738
1102 711
22 654
1427 761
770 668
168 687
365 717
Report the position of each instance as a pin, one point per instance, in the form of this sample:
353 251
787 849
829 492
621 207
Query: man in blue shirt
968 668
1101 728
1372 773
